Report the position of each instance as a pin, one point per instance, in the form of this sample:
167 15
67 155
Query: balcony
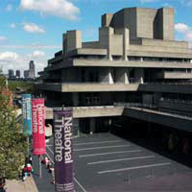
122 63
87 87
93 111
170 119
185 87
174 75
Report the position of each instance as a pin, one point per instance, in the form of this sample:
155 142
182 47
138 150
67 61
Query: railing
153 109
131 81
169 83
176 101
85 107
142 105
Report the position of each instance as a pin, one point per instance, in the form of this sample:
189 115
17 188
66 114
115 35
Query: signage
63 151
38 126
27 114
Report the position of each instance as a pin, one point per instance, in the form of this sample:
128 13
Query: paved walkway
20 186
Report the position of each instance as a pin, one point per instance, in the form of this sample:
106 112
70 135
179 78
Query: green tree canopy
12 141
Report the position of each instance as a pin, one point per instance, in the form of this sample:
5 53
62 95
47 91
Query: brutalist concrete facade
136 61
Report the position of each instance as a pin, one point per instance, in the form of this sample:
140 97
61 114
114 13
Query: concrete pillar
92 125
139 75
124 32
105 76
122 75
109 54
110 78
105 40
125 43
126 77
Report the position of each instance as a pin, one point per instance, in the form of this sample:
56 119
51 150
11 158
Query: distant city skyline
31 31
28 74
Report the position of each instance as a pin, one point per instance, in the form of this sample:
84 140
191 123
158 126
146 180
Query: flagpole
40 167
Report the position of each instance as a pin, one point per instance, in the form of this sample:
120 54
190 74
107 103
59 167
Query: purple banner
63 151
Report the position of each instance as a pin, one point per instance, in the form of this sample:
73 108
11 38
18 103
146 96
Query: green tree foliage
25 86
12 142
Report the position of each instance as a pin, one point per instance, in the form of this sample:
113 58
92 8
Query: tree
12 141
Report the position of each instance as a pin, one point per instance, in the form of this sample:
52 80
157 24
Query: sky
32 29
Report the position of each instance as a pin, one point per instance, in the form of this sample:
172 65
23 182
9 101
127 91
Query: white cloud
33 28
37 54
185 30
12 25
8 56
60 8
9 7
181 28
3 38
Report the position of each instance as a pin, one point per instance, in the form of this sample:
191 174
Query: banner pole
28 150
40 168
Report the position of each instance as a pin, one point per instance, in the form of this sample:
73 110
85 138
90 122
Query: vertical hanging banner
38 126
27 114
63 151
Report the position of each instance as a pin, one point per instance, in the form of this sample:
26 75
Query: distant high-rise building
11 73
31 70
26 74
18 74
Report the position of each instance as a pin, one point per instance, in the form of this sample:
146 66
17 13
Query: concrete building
18 73
11 73
30 74
26 74
136 69
31 70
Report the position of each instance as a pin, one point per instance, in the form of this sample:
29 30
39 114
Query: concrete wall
139 64
174 75
168 23
93 45
145 22
106 19
86 112
164 43
71 40
161 49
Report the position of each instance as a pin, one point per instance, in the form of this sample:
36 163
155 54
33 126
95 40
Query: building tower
18 74
135 62
31 69
11 73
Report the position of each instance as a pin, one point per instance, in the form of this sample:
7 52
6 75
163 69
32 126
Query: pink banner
38 126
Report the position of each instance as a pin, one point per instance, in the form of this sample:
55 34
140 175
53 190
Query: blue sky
32 29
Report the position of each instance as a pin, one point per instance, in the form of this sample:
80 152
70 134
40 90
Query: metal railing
153 109
142 105
176 101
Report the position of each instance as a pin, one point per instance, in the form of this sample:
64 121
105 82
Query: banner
38 126
63 151
27 114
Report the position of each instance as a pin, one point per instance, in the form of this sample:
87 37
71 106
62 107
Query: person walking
2 185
